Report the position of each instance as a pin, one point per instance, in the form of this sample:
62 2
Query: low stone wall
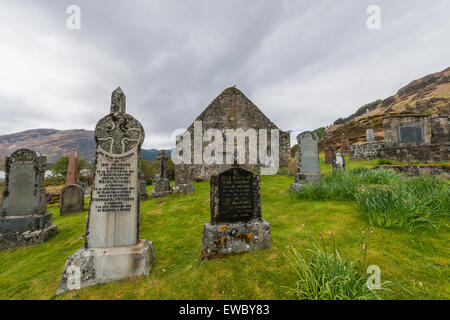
429 153
436 170
365 151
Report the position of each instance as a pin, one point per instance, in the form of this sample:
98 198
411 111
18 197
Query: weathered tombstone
113 249
162 183
345 144
182 180
72 169
143 187
292 169
338 161
328 156
24 219
72 200
236 223
370 137
308 158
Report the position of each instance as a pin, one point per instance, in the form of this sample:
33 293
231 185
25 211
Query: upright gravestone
338 161
328 156
143 187
236 222
182 180
345 144
113 249
162 183
71 200
308 158
72 169
370 137
24 219
72 195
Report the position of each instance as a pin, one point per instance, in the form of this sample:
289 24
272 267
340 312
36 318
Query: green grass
175 226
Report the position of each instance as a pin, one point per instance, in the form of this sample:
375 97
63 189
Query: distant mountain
149 155
56 143
425 96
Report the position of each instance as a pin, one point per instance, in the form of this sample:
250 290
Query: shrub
329 276
381 162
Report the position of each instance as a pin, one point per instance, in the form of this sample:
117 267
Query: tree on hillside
59 169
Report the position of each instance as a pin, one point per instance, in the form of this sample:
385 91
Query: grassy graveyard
416 261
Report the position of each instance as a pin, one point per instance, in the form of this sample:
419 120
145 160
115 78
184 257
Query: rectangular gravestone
182 180
308 158
236 223
113 249
24 219
370 137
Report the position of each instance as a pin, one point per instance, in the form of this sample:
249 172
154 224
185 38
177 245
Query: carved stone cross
163 157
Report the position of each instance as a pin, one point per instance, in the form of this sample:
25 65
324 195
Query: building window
410 132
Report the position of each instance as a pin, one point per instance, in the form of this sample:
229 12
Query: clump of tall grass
325 275
410 204
386 197
343 185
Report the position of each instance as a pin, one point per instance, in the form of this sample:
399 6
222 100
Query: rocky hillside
56 143
424 96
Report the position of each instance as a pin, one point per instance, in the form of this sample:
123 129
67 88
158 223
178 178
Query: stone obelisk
72 169
113 249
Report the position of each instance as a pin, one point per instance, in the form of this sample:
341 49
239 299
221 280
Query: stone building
409 138
233 110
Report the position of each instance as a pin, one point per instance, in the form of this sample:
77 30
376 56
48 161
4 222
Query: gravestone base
307 177
187 188
89 266
228 238
20 238
295 187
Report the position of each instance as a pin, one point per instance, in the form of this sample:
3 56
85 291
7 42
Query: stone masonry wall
365 151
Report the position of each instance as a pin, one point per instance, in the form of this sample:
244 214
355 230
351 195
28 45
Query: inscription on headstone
236 196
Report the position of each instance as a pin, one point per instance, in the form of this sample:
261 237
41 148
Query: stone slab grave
143 187
308 160
370 136
338 161
24 219
113 249
162 183
182 180
236 224
72 200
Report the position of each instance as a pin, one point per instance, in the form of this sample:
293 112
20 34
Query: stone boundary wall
439 170
429 153
365 151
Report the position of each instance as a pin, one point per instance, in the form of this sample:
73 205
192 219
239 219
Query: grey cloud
304 63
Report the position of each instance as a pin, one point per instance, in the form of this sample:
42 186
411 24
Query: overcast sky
303 63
